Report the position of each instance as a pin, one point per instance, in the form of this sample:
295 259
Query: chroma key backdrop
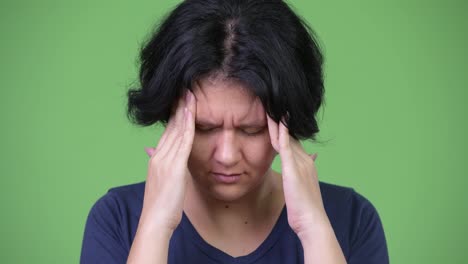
393 127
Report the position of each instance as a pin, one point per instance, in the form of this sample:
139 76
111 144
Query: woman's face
231 152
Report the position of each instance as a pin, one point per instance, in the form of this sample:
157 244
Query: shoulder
340 195
345 206
122 195
356 223
134 191
116 213
121 200
111 224
330 190
336 196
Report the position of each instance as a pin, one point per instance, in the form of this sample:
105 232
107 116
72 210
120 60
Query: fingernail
314 156
190 96
149 151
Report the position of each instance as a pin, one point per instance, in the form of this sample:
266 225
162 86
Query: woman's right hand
167 169
165 186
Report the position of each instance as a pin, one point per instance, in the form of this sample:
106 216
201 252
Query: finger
169 126
284 143
273 131
174 129
298 150
189 128
283 136
187 140
164 134
178 113
162 139
179 117
191 104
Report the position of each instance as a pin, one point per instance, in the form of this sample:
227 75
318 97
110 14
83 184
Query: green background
394 121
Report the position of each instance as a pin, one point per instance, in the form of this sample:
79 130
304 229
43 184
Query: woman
235 82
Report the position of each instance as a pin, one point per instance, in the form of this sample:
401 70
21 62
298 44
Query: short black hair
261 43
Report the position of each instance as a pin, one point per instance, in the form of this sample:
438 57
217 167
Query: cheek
258 152
201 148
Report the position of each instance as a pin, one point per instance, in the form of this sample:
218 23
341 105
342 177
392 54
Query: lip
226 174
227 178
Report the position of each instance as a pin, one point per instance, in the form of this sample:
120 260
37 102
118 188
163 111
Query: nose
227 151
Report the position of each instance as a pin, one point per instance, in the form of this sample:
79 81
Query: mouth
226 177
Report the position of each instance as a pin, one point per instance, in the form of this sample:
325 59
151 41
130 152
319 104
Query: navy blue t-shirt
112 222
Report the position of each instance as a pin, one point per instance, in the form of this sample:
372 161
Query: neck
251 210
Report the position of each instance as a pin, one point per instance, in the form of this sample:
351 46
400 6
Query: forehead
223 100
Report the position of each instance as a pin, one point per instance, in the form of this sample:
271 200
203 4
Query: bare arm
150 246
321 246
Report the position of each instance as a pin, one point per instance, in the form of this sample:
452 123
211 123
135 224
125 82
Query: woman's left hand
300 181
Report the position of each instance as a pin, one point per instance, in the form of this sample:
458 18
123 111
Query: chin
228 194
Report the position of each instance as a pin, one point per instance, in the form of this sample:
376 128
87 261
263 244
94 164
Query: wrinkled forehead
220 100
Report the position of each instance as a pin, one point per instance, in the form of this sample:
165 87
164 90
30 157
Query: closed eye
204 128
253 131
249 131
